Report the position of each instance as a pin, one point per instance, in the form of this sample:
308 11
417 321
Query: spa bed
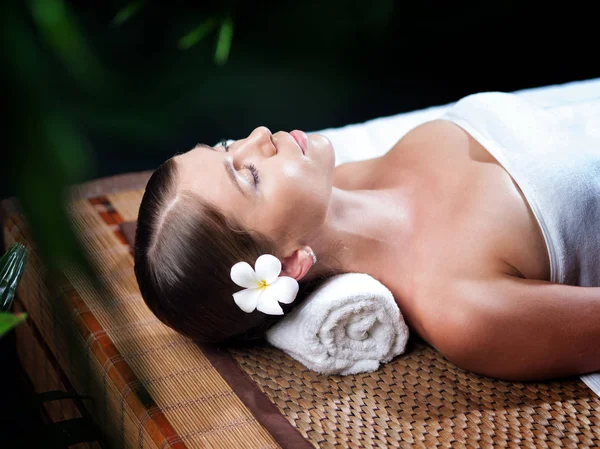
152 388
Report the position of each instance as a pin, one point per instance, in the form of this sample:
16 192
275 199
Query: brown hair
184 250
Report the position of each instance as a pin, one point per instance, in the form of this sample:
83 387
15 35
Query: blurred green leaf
51 154
61 32
197 34
52 159
10 320
224 42
127 12
12 267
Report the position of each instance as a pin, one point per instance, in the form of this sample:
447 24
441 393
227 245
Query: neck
360 226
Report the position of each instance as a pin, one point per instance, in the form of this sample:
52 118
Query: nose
261 138
257 146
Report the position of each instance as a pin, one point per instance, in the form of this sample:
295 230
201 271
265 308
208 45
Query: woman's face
278 184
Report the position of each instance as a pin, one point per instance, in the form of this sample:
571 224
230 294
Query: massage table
152 388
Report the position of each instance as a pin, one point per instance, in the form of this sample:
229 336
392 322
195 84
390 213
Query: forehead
201 171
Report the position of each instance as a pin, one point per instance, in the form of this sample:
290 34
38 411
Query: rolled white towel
348 325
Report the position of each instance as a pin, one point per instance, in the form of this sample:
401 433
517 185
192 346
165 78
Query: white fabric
556 163
350 324
577 102
592 381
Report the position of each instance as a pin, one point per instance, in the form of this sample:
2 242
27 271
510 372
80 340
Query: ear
297 264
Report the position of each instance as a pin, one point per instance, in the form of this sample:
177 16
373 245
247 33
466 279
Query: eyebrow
229 169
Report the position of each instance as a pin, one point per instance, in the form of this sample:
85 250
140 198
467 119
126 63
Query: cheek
306 206
301 188
292 212
293 202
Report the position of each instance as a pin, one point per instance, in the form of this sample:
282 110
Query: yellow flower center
262 284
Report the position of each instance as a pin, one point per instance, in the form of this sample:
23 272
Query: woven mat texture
151 387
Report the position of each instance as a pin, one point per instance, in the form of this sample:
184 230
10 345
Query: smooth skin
437 220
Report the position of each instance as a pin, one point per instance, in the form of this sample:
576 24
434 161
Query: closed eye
230 170
254 172
224 144
249 167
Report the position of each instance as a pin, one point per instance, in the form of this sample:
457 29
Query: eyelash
254 172
224 144
250 167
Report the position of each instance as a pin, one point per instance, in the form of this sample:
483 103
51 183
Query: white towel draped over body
350 324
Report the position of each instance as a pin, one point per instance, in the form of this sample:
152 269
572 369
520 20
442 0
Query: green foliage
127 12
197 34
9 321
12 267
224 42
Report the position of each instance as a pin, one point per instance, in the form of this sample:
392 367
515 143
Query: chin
324 147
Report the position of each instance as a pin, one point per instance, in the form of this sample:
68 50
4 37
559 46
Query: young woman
483 223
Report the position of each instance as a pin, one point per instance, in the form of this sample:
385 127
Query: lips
301 139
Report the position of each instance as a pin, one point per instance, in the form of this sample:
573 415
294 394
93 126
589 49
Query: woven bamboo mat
153 388
422 400
150 387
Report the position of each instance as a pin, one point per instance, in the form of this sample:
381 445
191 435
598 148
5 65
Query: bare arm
522 329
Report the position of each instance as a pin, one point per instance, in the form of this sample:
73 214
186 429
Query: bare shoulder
424 143
434 131
423 137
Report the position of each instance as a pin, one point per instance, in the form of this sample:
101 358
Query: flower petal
247 299
268 304
267 268
243 275
284 289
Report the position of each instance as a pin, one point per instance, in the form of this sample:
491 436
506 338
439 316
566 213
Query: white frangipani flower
263 288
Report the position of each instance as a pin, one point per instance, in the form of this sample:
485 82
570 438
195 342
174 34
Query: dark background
306 65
